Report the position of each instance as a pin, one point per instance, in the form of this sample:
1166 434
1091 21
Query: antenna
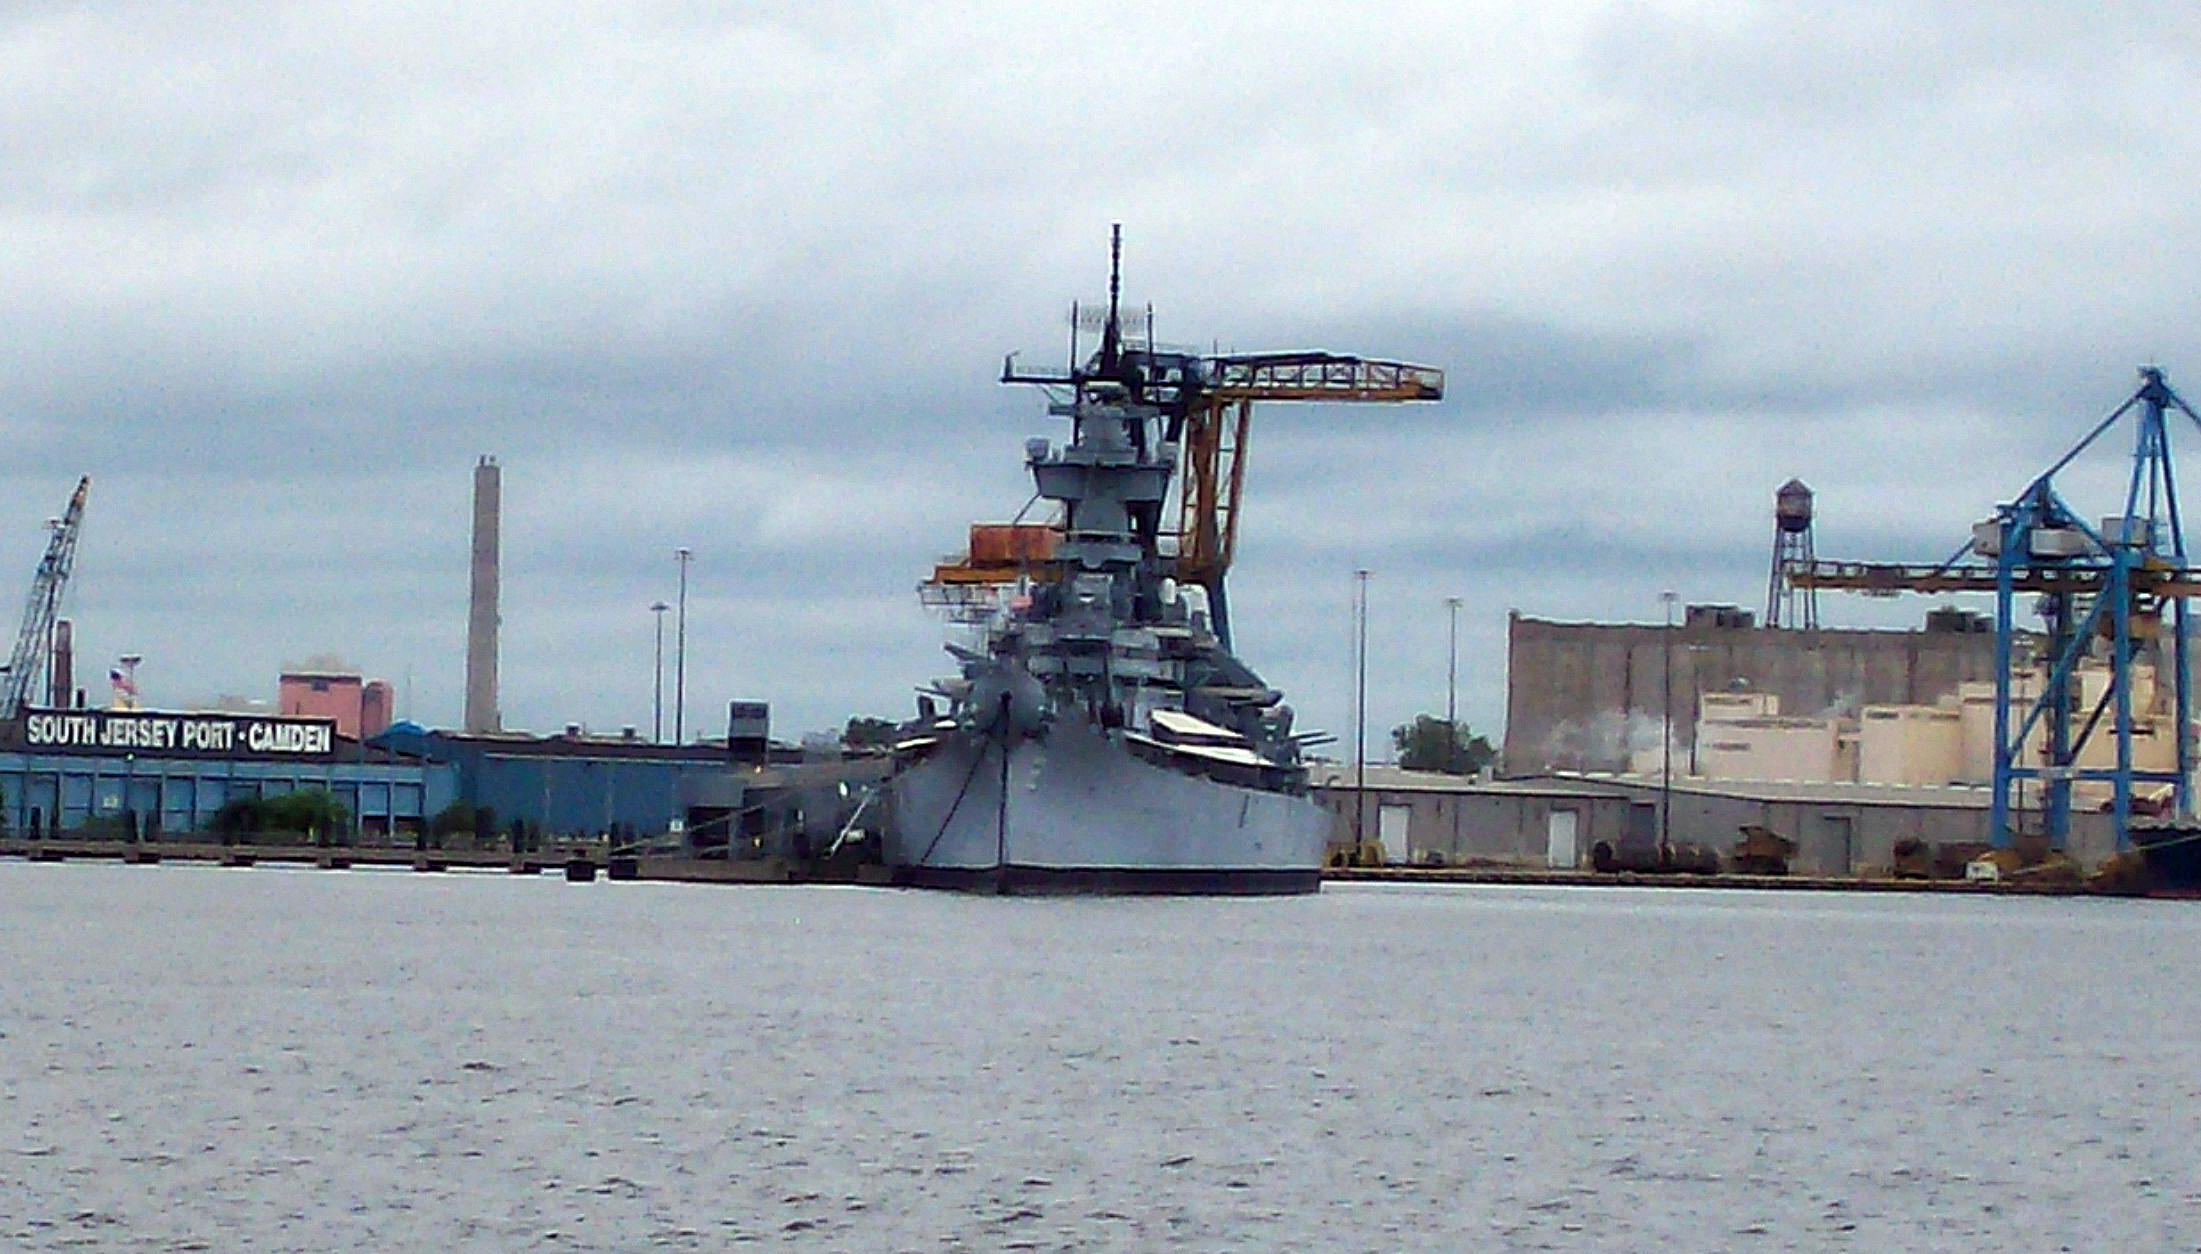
1115 266
1111 338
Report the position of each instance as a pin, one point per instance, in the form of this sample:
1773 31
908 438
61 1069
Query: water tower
1787 605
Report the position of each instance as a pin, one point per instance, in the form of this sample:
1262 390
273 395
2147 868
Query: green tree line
1430 743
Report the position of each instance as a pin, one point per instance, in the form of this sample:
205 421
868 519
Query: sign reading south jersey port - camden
178 735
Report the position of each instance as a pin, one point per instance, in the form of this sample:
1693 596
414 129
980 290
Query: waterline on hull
1031 881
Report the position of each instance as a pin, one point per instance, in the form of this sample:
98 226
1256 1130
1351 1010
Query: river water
204 1059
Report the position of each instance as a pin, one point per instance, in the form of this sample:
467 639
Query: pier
583 861
1540 877
588 861
329 857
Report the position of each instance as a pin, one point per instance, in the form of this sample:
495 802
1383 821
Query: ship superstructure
1100 735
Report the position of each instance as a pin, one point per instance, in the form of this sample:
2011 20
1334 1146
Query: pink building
360 707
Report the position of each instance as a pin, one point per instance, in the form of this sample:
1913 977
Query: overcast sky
740 276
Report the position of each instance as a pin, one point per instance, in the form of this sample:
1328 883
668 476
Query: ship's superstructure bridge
1207 400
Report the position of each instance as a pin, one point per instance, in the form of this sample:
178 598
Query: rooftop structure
359 706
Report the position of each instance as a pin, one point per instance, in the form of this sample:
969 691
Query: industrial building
360 707
1843 741
1590 696
740 796
152 775
1554 822
570 783
149 772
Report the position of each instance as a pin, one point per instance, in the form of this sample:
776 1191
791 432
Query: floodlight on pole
1452 668
1360 711
657 683
680 652
1666 720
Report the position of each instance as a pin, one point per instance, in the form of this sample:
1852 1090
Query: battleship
1101 736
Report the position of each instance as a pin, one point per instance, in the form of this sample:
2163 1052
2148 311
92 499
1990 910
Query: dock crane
1209 400
1218 417
34 642
2115 582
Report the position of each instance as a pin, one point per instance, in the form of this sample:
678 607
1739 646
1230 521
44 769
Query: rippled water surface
200 1059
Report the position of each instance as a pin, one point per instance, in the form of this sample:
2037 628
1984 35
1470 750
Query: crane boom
1322 377
34 643
1211 399
1890 578
1208 401
1218 419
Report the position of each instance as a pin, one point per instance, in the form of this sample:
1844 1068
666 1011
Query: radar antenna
1207 402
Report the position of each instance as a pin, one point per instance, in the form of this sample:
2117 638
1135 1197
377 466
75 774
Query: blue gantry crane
2112 589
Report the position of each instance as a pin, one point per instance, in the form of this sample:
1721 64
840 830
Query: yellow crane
1206 406
1211 400
1219 418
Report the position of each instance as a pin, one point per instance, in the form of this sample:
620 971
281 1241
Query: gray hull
1081 814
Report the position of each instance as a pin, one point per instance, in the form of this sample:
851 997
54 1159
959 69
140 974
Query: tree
1431 744
462 816
239 816
309 810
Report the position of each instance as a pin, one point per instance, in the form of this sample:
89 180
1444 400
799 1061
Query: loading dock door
1391 825
1840 853
1559 847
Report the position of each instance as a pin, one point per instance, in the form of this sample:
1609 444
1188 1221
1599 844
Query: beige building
1916 745
1770 747
1556 822
1745 736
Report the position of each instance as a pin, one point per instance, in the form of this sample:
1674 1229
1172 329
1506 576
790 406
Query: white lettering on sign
262 736
209 735
169 733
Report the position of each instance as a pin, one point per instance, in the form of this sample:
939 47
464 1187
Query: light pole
1696 699
1452 669
1360 711
657 684
680 653
1666 747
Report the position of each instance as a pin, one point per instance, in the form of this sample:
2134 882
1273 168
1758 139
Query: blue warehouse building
162 775
169 773
566 785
